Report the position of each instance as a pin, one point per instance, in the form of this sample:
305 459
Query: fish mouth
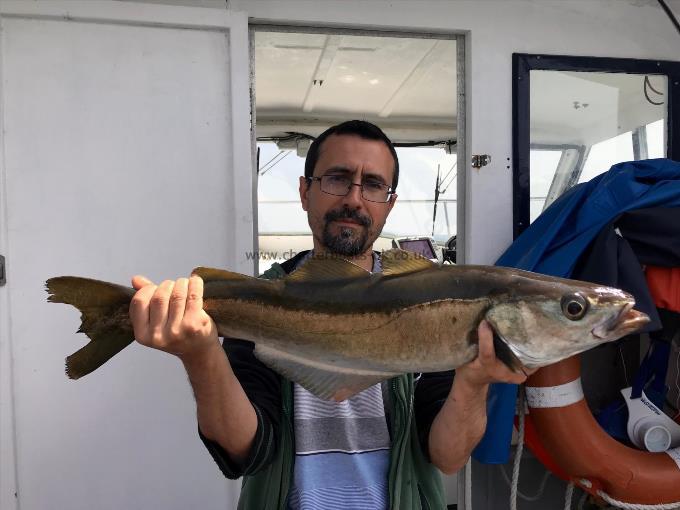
628 321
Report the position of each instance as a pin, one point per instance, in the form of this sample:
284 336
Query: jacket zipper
288 412
423 500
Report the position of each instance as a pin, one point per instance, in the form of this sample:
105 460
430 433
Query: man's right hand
170 316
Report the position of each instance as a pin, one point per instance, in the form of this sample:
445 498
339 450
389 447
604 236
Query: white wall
495 29
120 134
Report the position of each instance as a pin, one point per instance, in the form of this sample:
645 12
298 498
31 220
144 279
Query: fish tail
105 320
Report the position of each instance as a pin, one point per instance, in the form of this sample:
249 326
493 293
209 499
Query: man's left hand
486 368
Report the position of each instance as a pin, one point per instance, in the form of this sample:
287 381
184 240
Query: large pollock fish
337 329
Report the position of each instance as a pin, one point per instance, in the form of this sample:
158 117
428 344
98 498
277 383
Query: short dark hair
359 128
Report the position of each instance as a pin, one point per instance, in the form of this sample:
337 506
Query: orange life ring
569 434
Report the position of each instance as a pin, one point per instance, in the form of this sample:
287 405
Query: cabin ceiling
307 82
584 108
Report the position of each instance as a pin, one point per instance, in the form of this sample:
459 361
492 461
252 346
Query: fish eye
574 306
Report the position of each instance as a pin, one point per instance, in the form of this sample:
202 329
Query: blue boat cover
552 245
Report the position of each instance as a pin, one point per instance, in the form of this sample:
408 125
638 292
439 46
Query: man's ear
304 190
393 199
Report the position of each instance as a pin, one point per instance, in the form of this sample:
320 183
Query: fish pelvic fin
104 319
397 261
328 380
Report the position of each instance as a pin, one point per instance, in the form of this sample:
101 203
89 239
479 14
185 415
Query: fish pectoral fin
505 354
210 274
401 261
321 268
325 380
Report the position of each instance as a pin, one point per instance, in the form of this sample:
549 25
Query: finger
510 375
516 378
194 296
158 310
139 312
525 372
139 281
176 306
487 354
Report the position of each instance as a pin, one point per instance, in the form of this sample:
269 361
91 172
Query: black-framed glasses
339 185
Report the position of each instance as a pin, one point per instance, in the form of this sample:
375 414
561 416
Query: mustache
349 214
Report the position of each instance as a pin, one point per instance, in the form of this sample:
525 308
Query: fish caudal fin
105 320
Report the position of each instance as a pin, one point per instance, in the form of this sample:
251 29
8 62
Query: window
575 117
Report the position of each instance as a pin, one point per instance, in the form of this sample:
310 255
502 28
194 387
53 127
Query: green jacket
414 483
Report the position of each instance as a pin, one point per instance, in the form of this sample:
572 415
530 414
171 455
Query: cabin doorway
306 80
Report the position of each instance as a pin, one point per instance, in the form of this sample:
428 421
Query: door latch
3 278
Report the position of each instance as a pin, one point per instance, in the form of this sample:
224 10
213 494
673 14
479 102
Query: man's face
348 225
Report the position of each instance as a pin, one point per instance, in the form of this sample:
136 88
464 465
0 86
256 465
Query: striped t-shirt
342 450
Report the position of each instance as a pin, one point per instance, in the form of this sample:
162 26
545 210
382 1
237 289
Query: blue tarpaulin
552 245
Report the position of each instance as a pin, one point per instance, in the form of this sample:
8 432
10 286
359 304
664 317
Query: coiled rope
636 506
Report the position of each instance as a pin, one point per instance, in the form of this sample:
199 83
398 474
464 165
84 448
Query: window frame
523 64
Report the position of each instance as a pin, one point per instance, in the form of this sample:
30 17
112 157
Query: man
375 449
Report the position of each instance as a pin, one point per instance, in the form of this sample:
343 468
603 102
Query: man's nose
353 197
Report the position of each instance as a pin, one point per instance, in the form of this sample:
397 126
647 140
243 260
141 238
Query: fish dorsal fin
210 274
326 381
323 268
397 261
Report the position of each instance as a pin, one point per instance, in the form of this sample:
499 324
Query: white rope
524 497
637 506
568 496
514 483
518 452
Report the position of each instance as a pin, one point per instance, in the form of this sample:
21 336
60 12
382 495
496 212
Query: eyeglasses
339 185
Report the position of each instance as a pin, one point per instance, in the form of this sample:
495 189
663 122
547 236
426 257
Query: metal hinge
480 160
3 278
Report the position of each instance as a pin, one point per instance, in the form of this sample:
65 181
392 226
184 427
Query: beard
350 241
